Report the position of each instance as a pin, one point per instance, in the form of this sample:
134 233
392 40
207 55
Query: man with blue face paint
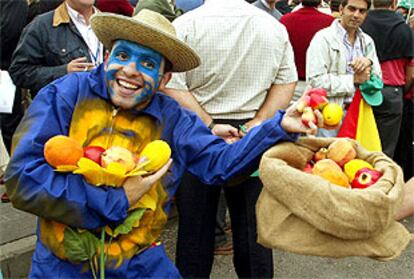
117 104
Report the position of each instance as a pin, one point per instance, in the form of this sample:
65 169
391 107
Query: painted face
132 73
353 14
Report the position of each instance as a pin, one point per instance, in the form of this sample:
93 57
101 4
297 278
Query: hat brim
110 27
374 99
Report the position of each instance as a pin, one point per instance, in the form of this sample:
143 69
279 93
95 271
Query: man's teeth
127 85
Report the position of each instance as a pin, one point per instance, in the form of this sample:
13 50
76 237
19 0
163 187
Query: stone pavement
17 241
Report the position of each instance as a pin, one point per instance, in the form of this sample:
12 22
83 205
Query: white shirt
95 47
243 52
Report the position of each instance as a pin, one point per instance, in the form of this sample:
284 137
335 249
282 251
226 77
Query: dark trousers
9 122
404 152
388 117
197 208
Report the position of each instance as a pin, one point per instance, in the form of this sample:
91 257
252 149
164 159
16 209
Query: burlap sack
306 214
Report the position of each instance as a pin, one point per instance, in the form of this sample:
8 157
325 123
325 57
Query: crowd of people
219 81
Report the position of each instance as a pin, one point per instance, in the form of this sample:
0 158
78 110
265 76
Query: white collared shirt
244 51
94 45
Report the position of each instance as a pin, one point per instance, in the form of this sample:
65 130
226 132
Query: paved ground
17 240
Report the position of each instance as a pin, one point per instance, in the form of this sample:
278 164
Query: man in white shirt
247 74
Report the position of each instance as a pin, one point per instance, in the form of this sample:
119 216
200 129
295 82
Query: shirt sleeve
35 187
287 72
214 161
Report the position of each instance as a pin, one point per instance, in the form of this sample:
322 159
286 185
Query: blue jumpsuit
78 105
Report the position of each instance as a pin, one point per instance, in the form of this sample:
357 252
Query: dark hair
167 66
334 5
311 3
382 3
345 2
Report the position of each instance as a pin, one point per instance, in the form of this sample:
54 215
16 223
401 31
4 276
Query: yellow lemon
355 165
157 153
332 114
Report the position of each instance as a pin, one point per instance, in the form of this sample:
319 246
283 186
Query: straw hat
149 29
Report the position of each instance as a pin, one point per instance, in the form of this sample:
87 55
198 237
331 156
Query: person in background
301 27
56 43
394 43
334 5
403 8
342 56
12 22
236 87
269 6
283 6
122 7
164 7
128 111
38 7
404 152
188 5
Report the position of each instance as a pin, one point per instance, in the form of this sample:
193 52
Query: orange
62 150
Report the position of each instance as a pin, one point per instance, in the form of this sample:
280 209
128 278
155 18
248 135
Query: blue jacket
78 105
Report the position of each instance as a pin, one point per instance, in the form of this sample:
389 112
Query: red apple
365 177
93 153
317 101
319 91
308 168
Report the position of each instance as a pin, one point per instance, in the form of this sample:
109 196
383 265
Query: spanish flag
359 124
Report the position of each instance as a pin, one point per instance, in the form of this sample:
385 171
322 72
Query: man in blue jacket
117 104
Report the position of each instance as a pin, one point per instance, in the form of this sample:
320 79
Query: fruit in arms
93 153
62 150
157 152
119 155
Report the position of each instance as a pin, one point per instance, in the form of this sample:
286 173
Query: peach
119 155
341 151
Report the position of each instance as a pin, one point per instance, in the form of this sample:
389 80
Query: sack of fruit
304 213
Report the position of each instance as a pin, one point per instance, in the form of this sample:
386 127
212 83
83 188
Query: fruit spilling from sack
316 99
66 154
338 164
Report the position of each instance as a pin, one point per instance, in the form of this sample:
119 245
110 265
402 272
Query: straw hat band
149 29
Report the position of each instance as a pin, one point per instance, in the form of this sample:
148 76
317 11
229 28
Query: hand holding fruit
137 186
316 99
292 120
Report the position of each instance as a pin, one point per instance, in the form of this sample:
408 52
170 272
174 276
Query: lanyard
95 56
